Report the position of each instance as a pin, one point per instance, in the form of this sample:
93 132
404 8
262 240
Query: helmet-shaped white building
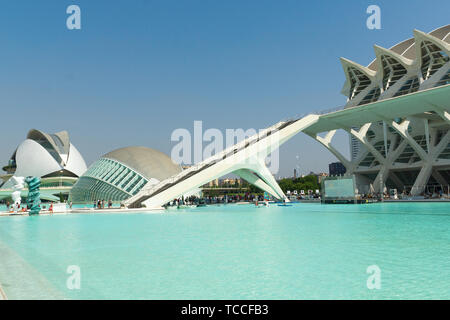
51 157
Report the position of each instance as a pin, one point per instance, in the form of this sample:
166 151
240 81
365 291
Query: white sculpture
19 184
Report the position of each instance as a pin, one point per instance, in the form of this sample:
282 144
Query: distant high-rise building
295 173
213 183
336 169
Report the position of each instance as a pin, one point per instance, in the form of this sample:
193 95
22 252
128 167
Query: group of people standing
17 207
100 204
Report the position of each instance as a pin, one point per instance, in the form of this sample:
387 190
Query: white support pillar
385 138
384 172
382 175
439 178
236 157
397 181
380 180
402 129
427 134
326 142
361 135
445 115
250 177
437 150
264 173
442 112
422 179
427 168
355 163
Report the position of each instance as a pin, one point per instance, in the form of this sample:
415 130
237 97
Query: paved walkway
22 281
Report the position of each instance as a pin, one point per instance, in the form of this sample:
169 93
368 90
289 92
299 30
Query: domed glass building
122 173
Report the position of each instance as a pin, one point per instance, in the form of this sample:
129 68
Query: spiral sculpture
33 199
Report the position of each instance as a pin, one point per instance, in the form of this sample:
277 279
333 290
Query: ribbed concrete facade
408 153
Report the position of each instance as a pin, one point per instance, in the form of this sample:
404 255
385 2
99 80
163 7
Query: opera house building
51 157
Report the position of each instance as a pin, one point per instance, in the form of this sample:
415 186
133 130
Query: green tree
306 183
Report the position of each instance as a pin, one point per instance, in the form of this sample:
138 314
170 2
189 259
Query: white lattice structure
408 150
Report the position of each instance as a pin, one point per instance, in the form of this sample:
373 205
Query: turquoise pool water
307 251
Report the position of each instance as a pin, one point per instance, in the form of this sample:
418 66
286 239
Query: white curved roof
442 33
406 48
43 154
33 160
149 162
75 162
408 53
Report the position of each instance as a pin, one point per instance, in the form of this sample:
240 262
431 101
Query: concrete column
381 179
250 177
439 178
402 129
356 162
326 142
264 173
385 138
427 168
422 179
361 135
388 164
437 150
427 134
399 183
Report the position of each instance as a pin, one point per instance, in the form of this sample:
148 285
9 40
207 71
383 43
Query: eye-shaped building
122 173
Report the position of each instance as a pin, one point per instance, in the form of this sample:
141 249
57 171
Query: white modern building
401 152
120 174
397 115
51 157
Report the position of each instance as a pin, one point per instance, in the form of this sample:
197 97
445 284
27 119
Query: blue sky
138 69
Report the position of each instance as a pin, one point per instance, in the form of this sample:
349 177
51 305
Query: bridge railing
318 112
